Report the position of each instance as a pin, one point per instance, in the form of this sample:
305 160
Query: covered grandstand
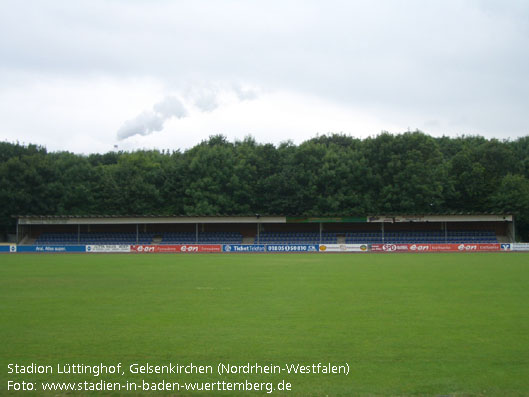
161 230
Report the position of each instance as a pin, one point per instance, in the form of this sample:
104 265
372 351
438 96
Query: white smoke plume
208 97
153 120
171 107
205 98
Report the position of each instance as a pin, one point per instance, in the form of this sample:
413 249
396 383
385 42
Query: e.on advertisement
478 247
187 248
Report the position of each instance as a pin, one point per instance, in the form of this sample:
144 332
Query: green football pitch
402 324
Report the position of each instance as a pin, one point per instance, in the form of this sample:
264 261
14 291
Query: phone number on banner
292 248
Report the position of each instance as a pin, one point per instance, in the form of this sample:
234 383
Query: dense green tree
328 175
512 197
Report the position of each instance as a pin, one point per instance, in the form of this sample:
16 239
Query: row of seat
297 241
266 237
203 238
94 238
280 234
429 234
425 241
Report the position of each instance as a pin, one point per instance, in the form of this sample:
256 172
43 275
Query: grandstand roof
141 219
152 219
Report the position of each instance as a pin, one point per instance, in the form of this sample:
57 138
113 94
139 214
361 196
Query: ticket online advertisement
142 377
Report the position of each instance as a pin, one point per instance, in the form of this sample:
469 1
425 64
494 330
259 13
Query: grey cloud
416 58
206 101
244 94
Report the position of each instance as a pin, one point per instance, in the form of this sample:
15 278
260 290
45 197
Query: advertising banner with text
51 248
108 248
477 247
389 248
292 248
436 247
343 247
187 248
520 246
243 248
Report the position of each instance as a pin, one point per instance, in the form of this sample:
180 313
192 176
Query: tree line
329 175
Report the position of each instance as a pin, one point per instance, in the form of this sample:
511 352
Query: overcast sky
87 75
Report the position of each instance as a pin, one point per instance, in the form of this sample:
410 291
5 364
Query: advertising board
243 248
520 246
108 248
477 247
292 248
187 248
436 247
343 247
51 248
389 247
8 248
506 246
426 247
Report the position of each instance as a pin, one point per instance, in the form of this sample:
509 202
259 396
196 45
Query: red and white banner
175 248
435 247
389 247
477 247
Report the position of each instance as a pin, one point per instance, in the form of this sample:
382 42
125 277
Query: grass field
417 324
